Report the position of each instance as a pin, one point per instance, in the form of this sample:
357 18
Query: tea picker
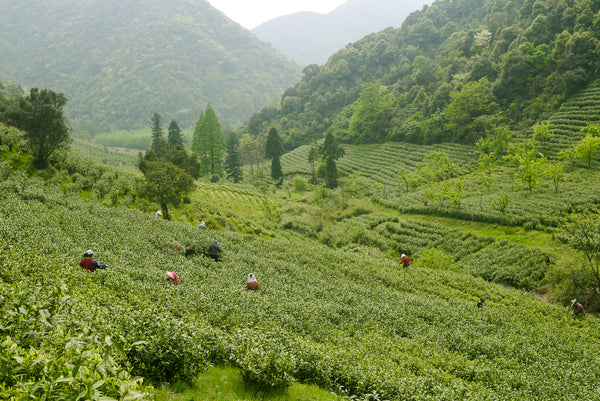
89 263
252 283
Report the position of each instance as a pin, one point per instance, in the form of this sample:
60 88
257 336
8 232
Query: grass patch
226 384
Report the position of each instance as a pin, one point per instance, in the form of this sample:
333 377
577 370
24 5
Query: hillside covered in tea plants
334 307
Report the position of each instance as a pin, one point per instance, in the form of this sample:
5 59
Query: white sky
251 13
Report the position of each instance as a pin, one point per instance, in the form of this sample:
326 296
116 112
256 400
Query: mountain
120 61
310 38
454 71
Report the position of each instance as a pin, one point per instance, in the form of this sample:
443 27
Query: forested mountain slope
311 38
452 72
120 61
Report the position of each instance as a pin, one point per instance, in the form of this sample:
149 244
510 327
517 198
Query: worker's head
89 253
403 256
251 277
573 301
482 299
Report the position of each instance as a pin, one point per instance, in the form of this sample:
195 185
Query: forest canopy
451 72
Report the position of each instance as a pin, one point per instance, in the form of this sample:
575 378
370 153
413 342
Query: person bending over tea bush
405 260
577 307
214 251
252 284
89 263
172 277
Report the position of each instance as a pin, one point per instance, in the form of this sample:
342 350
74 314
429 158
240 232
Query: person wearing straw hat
89 263
252 284
405 260
577 307
172 277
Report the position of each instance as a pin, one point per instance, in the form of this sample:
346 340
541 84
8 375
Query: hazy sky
251 13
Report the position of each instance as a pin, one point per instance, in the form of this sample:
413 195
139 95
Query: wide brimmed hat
573 302
89 252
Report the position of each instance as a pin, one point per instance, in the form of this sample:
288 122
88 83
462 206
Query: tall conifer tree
330 152
273 151
157 134
233 160
175 137
209 142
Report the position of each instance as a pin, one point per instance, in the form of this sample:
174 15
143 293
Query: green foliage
265 359
300 185
273 146
48 354
330 152
473 101
496 143
434 258
141 61
43 121
345 319
233 159
159 145
452 72
372 115
273 151
582 231
175 137
505 263
587 149
165 183
209 142
570 278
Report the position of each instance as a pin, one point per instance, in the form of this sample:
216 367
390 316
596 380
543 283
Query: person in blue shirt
89 263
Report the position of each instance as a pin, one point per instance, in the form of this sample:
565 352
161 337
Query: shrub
264 360
434 258
168 353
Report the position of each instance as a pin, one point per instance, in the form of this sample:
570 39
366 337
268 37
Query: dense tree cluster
169 170
110 56
452 72
40 114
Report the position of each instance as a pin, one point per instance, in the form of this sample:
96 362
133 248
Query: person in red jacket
89 263
405 260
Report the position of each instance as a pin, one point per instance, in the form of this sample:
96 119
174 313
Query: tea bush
351 321
45 354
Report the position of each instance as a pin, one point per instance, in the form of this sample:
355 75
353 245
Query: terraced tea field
344 320
380 162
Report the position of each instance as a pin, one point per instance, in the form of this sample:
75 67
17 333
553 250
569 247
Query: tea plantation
343 317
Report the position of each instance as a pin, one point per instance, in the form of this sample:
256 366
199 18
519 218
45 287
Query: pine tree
330 152
157 134
209 142
233 160
198 139
273 151
175 137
